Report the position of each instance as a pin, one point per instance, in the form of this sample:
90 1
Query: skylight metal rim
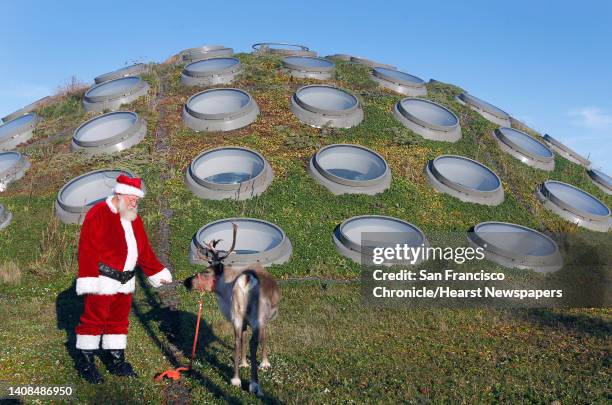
541 159
247 108
551 262
381 75
80 209
348 243
408 115
307 69
347 182
133 129
197 54
20 134
303 51
138 87
277 255
228 187
332 113
459 187
481 105
131 70
563 150
17 170
599 181
27 109
235 68
594 222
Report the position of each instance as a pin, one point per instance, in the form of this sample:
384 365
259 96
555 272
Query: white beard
129 214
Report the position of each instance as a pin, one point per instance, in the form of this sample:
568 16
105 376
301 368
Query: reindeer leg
254 385
263 338
243 361
237 349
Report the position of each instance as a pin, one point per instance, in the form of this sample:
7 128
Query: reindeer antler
231 249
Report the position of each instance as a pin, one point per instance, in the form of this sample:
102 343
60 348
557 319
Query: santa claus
113 242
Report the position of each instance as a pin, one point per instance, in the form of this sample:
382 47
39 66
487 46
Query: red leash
175 373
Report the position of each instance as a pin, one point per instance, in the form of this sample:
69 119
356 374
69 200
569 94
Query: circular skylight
321 106
601 180
525 148
350 169
257 241
28 108
5 217
565 151
487 110
380 230
17 131
204 52
466 179
131 70
108 133
516 246
309 67
575 205
222 109
370 63
281 48
13 166
81 193
229 172
211 71
428 119
399 82
114 93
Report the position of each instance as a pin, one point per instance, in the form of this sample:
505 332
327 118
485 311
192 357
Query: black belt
121 276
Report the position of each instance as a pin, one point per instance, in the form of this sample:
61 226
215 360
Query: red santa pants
105 317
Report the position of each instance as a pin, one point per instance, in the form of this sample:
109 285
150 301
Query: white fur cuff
156 279
114 342
88 342
87 285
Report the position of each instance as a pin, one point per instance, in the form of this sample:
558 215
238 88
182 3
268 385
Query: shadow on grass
68 309
578 323
178 327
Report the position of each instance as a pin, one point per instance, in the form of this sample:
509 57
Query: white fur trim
125 189
87 285
104 286
156 279
109 286
132 248
114 342
88 342
111 206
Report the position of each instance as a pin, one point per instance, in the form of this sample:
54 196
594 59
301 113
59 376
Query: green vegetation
326 347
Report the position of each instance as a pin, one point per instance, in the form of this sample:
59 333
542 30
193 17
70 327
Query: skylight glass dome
399 82
229 172
525 148
109 133
220 109
321 106
428 119
213 71
113 94
257 241
487 110
18 131
13 166
309 67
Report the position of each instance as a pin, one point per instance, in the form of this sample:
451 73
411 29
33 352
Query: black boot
87 367
118 365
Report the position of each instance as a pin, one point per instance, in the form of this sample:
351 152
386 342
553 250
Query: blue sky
548 63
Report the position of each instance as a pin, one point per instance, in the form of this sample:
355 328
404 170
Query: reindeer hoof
244 364
254 389
264 365
236 382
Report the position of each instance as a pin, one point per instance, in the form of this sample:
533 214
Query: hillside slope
325 346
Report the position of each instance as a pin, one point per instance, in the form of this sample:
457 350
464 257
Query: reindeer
247 296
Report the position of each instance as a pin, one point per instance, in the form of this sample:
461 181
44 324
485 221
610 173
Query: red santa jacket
107 238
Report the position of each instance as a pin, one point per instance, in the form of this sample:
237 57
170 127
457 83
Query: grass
326 346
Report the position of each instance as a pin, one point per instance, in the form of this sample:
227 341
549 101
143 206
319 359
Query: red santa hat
129 185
